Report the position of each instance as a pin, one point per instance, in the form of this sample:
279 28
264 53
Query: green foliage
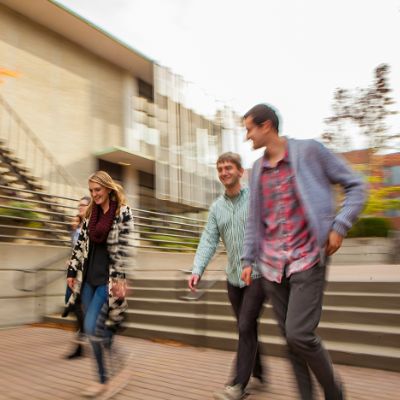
370 227
171 242
378 200
381 199
21 210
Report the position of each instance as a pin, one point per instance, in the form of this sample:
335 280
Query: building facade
94 102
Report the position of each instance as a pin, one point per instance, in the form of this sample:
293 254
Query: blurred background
153 91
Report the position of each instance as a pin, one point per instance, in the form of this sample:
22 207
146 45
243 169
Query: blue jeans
68 293
93 299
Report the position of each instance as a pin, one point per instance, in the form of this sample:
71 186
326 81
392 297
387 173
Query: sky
292 54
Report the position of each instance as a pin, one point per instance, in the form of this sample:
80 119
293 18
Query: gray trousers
297 303
247 303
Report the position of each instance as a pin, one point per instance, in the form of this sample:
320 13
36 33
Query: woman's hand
119 288
71 282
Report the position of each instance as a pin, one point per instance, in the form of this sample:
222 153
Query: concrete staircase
360 323
17 184
14 173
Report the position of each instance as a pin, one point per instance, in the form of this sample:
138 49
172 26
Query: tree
372 108
335 136
367 108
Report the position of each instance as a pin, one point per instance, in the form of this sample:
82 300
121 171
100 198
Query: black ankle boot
75 354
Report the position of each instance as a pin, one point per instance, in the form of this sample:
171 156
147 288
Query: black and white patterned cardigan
118 241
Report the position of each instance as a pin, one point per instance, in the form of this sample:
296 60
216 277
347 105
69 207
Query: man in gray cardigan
291 231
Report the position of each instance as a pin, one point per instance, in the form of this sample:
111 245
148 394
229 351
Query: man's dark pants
297 303
247 304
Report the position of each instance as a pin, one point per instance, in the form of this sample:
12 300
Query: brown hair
262 113
116 194
234 158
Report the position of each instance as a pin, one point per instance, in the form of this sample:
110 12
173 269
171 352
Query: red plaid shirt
288 245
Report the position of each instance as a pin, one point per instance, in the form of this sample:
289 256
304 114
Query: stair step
356 333
332 286
356 299
360 315
345 353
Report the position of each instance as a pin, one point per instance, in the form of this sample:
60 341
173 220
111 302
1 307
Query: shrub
168 242
370 227
24 211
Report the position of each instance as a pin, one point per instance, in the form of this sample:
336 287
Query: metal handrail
37 239
169 234
34 210
26 200
181 234
39 193
26 140
165 214
165 227
20 281
28 228
47 221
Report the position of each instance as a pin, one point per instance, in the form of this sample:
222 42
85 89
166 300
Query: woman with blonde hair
96 270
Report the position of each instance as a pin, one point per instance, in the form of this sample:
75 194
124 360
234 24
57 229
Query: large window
145 90
114 170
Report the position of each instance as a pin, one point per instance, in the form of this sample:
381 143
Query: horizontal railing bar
169 241
67 223
166 234
165 214
35 238
166 248
169 222
35 210
135 210
42 282
166 228
47 263
36 192
23 199
45 221
27 228
172 269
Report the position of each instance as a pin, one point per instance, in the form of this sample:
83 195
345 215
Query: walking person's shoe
78 352
231 393
341 392
94 390
80 338
257 384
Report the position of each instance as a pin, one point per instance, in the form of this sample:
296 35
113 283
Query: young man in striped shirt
227 220
292 230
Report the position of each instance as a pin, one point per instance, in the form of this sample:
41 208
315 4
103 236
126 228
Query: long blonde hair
116 194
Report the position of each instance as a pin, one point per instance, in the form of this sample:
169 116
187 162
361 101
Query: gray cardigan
316 169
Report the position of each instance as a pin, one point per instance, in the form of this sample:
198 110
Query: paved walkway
32 367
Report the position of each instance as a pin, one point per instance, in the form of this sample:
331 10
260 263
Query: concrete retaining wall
18 307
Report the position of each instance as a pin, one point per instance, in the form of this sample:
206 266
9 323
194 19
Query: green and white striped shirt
226 220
